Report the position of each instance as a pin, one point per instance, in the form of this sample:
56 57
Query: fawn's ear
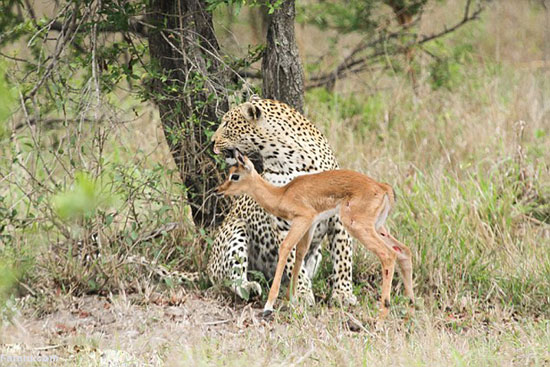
250 112
248 165
240 158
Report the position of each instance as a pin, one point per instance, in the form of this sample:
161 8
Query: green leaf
133 235
108 219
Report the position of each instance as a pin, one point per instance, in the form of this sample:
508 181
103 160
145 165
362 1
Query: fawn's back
328 189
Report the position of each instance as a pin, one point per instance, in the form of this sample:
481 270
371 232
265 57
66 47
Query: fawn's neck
267 195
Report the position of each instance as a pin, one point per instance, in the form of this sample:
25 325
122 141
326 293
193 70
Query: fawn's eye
234 177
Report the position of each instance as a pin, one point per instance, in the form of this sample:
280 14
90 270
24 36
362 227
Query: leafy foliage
270 5
344 17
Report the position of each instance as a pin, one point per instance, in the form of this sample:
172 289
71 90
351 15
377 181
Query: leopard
288 145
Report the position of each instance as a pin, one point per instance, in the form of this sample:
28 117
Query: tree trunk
190 91
282 72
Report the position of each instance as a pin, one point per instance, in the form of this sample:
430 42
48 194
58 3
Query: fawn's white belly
326 215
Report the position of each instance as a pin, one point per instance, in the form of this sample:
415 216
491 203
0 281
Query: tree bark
189 86
282 72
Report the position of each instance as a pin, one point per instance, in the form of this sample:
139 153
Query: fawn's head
240 177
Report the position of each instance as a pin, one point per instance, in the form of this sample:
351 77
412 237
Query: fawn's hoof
267 314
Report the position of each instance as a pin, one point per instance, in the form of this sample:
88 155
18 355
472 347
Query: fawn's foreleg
301 251
299 227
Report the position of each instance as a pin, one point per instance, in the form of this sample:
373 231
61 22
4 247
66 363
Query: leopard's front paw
306 296
344 297
246 289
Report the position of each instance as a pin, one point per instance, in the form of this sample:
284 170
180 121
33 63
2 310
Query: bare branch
65 38
250 74
134 27
46 122
467 9
467 18
349 64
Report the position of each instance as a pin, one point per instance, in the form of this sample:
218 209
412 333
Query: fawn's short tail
390 192
393 197
387 204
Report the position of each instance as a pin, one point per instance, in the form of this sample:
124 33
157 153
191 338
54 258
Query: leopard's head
241 129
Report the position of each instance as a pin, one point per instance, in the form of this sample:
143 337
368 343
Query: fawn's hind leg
375 243
361 221
404 259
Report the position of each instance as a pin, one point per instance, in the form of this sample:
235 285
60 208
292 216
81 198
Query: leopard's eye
234 177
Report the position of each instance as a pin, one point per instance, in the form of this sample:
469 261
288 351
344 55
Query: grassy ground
202 330
469 161
467 152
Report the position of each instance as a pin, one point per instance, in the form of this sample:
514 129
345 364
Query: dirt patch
204 329
94 324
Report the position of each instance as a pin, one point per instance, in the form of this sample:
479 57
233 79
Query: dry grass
203 331
469 161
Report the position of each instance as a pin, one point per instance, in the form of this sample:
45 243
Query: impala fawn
363 205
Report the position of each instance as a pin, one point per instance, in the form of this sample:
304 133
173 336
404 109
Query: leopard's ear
250 112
